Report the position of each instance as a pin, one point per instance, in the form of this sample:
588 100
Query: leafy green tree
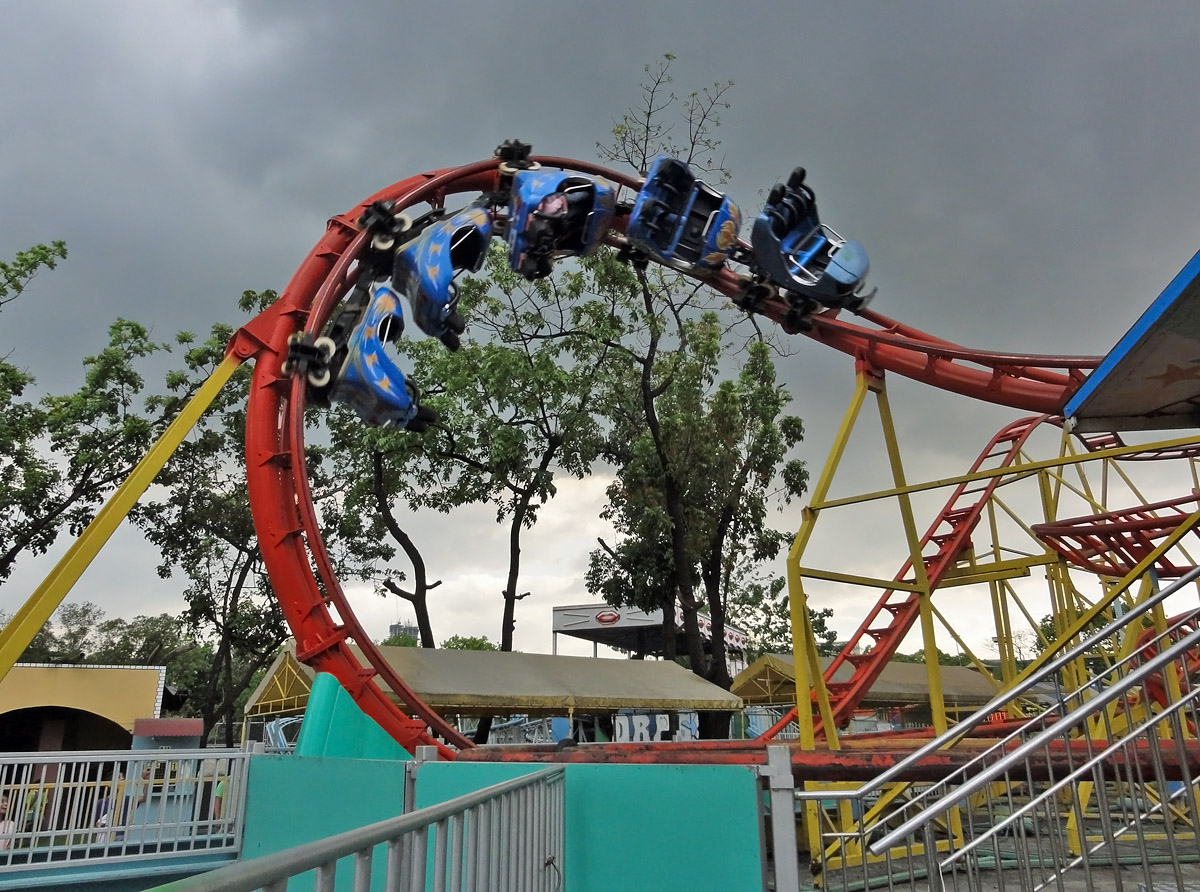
399 640
204 530
70 636
467 642
944 659
761 607
16 275
143 641
514 409
693 488
700 456
62 456
373 485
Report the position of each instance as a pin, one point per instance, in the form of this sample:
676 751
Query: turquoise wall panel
334 726
639 827
292 800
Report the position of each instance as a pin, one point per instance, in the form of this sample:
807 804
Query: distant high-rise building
409 629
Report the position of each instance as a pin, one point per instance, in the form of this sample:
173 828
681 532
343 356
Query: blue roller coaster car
369 380
800 254
556 215
680 221
424 270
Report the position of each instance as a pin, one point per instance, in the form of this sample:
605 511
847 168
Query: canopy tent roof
1151 379
771 679
469 682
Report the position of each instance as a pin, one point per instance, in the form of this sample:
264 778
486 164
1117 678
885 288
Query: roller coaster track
1113 543
294 554
1147 648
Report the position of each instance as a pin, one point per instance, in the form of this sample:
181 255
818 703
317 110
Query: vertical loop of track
313 603
286 521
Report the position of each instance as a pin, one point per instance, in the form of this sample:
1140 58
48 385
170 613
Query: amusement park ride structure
1126 549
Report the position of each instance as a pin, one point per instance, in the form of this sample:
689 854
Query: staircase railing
1102 783
505 837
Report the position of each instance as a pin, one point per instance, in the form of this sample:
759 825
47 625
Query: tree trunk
419 597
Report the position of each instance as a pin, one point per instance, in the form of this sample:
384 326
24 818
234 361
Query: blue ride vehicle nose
425 268
369 380
849 263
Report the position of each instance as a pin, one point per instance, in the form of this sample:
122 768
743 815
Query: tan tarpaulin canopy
469 682
771 680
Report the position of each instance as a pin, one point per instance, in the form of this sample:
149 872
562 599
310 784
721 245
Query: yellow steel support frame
36 611
933 670
809 677
1072 614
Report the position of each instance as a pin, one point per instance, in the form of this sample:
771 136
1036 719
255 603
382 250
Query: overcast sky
1022 174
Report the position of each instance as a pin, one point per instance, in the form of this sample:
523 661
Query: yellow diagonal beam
36 612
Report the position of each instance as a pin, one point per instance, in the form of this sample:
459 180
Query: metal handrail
1097 683
1087 709
119 805
1118 745
271 872
1049 670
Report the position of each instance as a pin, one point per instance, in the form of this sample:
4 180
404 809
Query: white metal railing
760 718
504 837
113 806
1101 784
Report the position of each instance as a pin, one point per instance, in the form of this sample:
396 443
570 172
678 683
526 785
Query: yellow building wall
119 694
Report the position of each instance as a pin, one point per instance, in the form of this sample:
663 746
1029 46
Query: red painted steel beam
1114 542
1180 759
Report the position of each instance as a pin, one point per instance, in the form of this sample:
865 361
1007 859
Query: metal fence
1097 792
87 806
505 837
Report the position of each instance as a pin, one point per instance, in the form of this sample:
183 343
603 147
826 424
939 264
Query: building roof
121 694
468 682
1151 379
771 679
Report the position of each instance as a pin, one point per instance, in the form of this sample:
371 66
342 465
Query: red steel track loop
294 554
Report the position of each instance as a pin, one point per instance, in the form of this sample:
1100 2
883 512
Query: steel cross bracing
876 640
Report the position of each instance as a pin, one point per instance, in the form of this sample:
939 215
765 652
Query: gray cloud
1022 174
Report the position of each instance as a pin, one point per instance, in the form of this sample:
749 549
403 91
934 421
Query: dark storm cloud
1022 174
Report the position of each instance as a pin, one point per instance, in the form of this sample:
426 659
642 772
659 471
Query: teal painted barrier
638 827
334 726
295 799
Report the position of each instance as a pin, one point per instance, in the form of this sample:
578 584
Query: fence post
782 788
